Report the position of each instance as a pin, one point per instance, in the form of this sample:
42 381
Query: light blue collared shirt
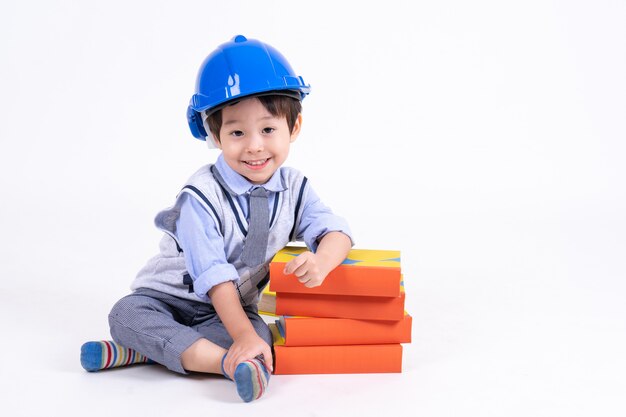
203 244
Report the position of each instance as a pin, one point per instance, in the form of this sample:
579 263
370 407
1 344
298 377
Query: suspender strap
298 204
206 201
228 193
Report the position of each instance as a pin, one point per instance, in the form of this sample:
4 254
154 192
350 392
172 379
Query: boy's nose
255 144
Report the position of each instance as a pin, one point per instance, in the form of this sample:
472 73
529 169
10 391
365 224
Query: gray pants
161 326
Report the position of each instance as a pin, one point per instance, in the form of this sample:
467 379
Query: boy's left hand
307 268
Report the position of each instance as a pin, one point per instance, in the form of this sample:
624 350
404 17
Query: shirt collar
240 185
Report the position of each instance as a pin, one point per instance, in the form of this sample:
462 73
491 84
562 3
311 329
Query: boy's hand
307 268
247 346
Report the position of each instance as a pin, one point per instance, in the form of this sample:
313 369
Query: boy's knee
123 311
123 319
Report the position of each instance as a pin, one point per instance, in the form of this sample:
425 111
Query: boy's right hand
247 346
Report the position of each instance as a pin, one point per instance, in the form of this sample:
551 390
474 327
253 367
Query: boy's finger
294 264
233 366
267 360
301 270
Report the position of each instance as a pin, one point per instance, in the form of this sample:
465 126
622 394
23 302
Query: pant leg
208 323
154 324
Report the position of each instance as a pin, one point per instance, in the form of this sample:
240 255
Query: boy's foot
251 377
104 354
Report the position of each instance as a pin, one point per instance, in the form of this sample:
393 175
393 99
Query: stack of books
354 322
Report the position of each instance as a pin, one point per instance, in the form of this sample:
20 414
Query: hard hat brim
297 95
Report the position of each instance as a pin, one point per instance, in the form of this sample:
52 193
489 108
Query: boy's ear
296 128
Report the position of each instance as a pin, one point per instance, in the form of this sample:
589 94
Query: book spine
313 331
351 359
349 307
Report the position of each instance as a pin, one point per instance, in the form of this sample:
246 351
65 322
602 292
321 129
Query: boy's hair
276 105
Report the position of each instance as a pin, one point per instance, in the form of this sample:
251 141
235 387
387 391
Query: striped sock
105 354
251 377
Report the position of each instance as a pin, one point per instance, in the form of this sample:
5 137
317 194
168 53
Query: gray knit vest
166 272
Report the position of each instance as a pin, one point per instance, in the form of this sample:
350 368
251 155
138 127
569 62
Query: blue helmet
237 69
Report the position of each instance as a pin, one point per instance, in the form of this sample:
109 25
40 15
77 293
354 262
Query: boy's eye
236 133
268 130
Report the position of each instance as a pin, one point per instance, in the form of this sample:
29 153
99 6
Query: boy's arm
247 343
312 268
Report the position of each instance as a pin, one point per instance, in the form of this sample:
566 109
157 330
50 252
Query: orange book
363 272
348 359
315 331
340 306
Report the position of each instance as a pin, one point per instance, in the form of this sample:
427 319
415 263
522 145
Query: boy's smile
255 143
257 164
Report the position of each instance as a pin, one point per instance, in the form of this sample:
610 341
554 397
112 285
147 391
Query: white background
483 139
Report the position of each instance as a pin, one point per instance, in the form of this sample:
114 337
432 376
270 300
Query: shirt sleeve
203 247
317 220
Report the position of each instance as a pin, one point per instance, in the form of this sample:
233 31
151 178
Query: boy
193 306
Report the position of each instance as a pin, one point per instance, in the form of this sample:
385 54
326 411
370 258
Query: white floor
497 342
483 139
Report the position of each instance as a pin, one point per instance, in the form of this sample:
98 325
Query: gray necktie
255 246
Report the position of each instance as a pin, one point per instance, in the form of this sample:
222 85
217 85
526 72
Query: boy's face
255 143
